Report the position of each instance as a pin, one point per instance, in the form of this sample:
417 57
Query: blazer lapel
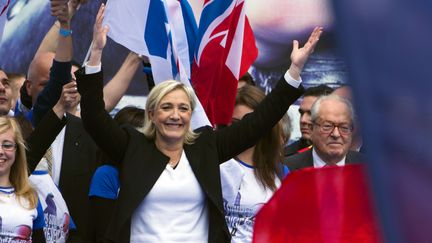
194 158
203 170
138 177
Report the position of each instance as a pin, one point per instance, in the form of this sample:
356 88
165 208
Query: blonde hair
153 100
19 173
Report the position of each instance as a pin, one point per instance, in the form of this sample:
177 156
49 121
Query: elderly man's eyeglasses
8 146
328 127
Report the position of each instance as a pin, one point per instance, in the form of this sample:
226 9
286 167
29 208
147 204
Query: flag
330 205
163 30
225 50
387 45
158 29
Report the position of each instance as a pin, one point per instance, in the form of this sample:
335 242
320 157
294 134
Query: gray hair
317 104
153 100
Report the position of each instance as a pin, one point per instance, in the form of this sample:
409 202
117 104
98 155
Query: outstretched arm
59 8
244 134
50 41
118 85
50 126
60 71
97 122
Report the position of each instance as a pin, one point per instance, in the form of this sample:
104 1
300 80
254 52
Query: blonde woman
169 173
18 201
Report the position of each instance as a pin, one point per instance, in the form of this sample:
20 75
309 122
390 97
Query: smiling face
7 157
332 147
171 117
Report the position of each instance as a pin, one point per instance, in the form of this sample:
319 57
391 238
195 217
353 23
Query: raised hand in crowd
300 55
60 10
99 38
68 101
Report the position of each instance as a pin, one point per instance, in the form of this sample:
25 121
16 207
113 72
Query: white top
57 153
56 213
57 157
15 220
319 163
174 210
243 196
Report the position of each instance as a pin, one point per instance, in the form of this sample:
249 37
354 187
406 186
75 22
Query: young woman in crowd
250 179
18 200
169 174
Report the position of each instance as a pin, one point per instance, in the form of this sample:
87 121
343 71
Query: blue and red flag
225 50
163 30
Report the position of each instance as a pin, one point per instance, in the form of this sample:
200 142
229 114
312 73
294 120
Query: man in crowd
309 98
332 126
5 94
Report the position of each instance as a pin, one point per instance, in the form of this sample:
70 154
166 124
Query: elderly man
332 131
357 143
311 94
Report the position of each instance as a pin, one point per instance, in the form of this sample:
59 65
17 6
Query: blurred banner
388 47
329 205
27 22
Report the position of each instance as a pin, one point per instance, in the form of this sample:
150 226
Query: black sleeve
100 215
48 97
42 137
107 134
242 135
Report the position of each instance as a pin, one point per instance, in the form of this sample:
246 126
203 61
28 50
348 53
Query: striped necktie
49 158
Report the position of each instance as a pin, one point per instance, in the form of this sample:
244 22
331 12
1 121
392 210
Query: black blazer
305 159
141 163
79 162
79 158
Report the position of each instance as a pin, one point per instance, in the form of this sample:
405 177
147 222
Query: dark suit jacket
305 159
141 163
79 163
42 137
79 159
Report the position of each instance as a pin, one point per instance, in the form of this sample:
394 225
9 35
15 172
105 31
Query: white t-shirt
16 221
56 213
243 196
175 209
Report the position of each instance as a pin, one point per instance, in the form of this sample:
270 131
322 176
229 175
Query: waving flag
163 30
225 50
320 205
157 29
